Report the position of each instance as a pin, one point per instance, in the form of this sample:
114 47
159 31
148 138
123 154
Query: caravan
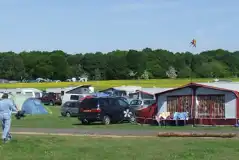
30 92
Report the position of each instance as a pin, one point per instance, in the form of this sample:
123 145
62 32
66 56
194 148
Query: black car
107 110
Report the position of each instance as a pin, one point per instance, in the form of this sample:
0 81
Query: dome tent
33 106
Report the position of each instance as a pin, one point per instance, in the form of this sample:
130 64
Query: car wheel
106 120
68 114
132 118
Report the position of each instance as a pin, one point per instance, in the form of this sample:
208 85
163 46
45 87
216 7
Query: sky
81 26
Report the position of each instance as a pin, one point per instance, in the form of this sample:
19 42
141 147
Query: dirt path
107 132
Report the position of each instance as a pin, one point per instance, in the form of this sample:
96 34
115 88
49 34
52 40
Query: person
6 108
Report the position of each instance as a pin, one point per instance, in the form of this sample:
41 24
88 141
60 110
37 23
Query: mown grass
89 148
107 84
54 120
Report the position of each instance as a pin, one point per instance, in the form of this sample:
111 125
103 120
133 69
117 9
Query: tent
100 94
33 106
19 100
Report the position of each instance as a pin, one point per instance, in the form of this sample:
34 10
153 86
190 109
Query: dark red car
51 99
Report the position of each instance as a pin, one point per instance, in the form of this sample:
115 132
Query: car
105 109
70 109
51 99
138 104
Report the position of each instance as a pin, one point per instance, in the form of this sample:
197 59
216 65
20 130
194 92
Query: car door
124 110
65 107
75 108
113 109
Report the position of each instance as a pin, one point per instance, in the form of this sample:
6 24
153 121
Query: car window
147 102
134 95
45 95
67 104
147 96
112 102
153 101
89 103
74 97
103 102
28 94
75 105
124 99
122 103
120 93
136 102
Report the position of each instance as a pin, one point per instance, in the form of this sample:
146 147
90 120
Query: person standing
6 108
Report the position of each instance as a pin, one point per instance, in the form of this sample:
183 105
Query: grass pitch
89 148
54 120
107 84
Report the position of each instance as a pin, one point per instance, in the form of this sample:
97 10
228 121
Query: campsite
119 80
189 115
45 125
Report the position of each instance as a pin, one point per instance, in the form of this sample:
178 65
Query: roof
154 90
217 86
128 88
8 90
73 88
29 89
19 89
224 85
54 90
66 89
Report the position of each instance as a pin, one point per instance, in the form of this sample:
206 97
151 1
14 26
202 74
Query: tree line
131 64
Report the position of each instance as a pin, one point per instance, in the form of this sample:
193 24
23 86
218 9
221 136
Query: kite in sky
193 43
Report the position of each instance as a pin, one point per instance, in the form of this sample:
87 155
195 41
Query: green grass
107 84
54 120
89 148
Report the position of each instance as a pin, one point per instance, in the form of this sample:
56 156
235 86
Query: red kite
193 42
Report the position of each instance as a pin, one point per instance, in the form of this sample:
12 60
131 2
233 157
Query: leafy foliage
131 64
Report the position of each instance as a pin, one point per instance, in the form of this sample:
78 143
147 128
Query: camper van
30 92
77 93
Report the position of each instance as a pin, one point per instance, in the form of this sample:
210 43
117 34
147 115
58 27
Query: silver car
70 109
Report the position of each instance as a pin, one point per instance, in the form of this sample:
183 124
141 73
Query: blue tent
33 106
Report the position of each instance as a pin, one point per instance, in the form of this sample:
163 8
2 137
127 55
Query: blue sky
79 26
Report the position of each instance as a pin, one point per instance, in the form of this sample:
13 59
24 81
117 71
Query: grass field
54 120
89 148
107 84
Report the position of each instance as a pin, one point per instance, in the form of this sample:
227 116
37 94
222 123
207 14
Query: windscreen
136 102
89 103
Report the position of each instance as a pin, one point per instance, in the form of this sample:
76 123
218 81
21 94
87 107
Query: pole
191 68
193 94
